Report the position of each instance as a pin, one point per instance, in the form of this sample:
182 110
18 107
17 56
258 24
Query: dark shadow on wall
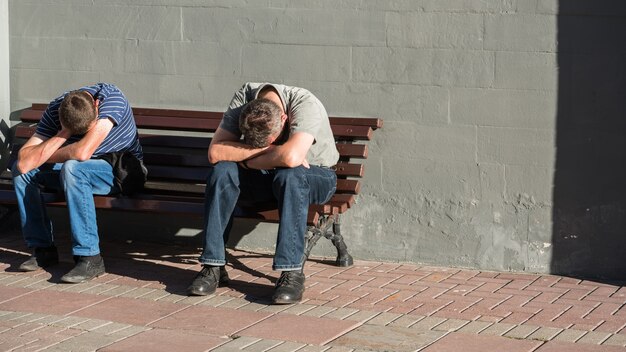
589 214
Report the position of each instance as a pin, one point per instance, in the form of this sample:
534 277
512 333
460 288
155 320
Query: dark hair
259 120
77 111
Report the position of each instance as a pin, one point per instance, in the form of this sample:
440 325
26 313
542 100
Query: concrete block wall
462 173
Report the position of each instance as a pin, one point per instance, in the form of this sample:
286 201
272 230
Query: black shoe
87 268
289 287
42 257
207 280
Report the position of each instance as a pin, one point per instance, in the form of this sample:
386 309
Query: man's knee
290 177
223 171
70 172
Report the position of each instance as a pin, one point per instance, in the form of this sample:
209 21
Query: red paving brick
304 329
163 340
454 342
214 321
129 310
8 293
51 302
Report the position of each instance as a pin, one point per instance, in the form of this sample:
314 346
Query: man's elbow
293 160
82 156
22 167
213 159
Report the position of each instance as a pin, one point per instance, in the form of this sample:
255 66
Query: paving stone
238 343
171 298
343 313
544 333
451 325
406 321
204 319
475 327
91 324
69 322
130 330
313 348
101 289
594 337
86 342
287 346
254 306
262 345
299 309
387 338
427 323
480 343
111 328
136 293
318 311
298 328
569 335
165 340
560 346
497 329
129 310
616 340
274 308
521 331
235 303
383 319
155 295
216 301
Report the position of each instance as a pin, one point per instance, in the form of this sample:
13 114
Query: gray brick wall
462 173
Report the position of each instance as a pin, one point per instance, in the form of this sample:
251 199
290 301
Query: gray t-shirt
305 112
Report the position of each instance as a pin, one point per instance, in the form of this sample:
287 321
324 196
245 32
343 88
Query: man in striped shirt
64 154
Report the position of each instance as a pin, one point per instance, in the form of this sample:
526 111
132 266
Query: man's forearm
233 151
277 156
31 157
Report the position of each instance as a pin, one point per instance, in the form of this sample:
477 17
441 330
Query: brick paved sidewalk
139 305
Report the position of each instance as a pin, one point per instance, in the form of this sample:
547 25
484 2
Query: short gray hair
259 120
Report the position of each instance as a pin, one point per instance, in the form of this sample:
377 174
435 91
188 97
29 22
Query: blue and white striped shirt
113 105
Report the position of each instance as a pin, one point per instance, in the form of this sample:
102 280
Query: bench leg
343 257
330 228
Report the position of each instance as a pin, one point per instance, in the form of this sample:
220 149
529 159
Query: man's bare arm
226 146
290 154
39 150
83 149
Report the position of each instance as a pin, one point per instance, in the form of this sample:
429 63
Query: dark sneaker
207 280
42 257
87 268
289 287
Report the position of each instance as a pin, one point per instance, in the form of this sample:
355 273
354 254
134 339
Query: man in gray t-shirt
274 143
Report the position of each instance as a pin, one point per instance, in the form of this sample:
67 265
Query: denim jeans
79 181
293 188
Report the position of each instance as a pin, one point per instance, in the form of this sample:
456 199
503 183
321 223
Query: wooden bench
175 146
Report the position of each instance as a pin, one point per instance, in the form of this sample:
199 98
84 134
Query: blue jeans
79 181
293 188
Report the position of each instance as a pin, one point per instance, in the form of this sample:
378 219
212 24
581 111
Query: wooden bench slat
352 150
374 123
176 123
